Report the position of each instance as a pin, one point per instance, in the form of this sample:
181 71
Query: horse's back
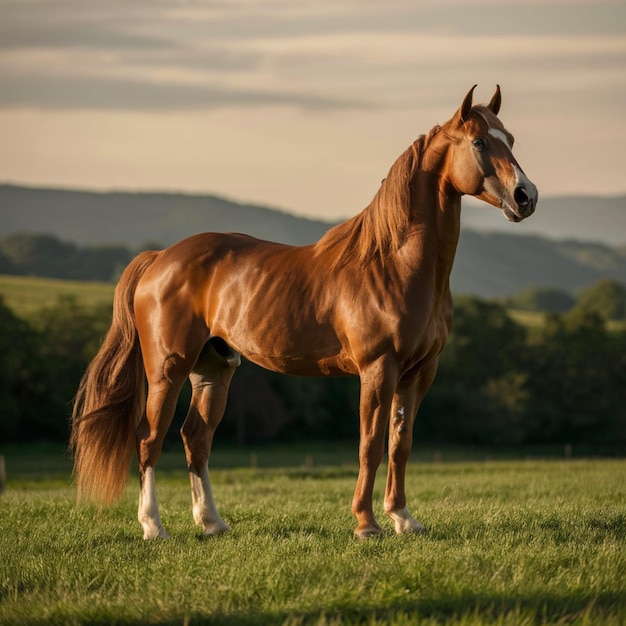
191 261
212 245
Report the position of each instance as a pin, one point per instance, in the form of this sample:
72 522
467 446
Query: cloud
163 55
314 72
110 93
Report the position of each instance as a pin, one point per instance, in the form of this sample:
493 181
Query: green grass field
507 542
27 294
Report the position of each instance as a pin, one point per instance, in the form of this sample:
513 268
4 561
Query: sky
302 106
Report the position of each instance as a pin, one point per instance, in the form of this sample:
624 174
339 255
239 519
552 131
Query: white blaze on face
520 177
494 187
522 180
498 134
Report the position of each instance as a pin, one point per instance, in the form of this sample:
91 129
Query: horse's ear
462 114
496 101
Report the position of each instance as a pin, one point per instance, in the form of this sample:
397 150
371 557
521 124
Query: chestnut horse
370 299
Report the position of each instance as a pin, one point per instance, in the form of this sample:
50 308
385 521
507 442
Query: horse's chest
424 337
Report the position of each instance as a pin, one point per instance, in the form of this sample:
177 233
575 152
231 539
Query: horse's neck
430 246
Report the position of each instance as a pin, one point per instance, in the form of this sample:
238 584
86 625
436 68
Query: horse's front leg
377 386
406 401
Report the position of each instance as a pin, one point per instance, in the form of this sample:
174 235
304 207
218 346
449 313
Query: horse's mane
381 227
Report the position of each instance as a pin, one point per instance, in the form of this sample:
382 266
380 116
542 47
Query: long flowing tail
111 399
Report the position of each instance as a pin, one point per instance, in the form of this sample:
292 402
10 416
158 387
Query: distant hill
488 264
492 265
91 218
588 218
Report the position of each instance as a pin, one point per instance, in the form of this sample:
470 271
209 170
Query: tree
255 411
6 267
264 405
38 255
104 263
23 382
542 299
70 335
47 256
480 393
606 298
577 381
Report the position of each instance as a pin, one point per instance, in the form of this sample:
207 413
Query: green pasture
28 294
508 542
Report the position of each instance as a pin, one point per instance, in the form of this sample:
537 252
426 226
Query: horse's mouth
509 213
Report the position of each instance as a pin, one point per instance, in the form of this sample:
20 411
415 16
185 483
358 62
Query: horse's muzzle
523 204
526 200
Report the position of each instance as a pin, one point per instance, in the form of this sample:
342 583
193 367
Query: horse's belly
299 354
303 364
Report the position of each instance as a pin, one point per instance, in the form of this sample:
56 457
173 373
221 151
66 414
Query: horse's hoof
413 529
368 531
215 529
404 523
155 533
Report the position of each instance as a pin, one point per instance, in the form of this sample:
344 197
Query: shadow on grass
467 609
480 609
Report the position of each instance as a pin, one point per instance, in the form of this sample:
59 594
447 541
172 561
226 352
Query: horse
370 299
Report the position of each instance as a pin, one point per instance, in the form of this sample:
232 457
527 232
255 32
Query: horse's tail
111 399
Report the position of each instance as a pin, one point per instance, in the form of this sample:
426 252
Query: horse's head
482 163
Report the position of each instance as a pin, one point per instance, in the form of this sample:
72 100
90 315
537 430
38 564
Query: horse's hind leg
168 356
160 406
210 379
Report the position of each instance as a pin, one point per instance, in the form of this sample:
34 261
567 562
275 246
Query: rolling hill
587 218
494 258
89 218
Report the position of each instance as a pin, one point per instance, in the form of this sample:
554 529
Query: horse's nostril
521 196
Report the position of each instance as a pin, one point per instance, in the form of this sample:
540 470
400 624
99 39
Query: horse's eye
479 144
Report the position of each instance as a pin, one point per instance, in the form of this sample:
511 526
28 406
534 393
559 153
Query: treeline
28 254
499 382
25 254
